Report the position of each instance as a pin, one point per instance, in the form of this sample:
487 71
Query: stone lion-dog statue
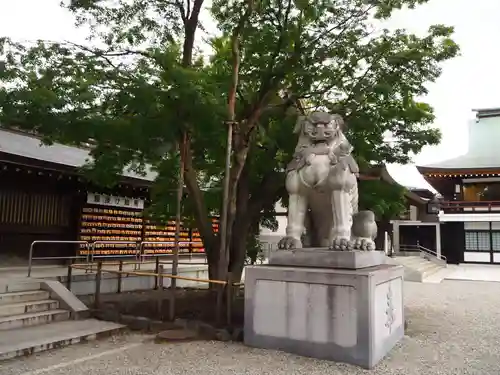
321 181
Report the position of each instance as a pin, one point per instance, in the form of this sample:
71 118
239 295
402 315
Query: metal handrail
104 242
141 246
90 247
30 258
432 252
422 249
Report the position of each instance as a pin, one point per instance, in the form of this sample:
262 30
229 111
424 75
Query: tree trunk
212 255
239 241
240 225
202 219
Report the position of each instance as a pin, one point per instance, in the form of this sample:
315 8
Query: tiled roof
31 147
482 151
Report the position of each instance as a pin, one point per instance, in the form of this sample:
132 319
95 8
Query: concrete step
417 268
26 341
24 296
409 260
28 307
431 270
18 286
32 319
422 267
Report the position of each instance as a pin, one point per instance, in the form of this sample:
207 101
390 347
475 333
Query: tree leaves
133 95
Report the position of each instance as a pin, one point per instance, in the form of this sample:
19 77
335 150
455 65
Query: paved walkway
42 272
471 272
453 330
474 272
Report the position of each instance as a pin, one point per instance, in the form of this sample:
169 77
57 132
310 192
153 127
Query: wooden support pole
160 276
120 268
159 286
98 277
157 271
70 275
218 304
171 304
229 299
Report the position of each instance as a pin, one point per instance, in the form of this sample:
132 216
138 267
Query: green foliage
384 199
133 95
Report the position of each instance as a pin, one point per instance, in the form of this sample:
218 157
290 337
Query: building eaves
31 147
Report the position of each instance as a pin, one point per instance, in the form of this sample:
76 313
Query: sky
468 82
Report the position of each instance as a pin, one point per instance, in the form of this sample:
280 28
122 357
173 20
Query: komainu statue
321 181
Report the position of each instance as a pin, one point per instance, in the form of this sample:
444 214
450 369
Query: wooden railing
227 288
450 207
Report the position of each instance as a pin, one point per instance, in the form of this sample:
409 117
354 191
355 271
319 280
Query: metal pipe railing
141 246
91 248
104 242
421 249
32 246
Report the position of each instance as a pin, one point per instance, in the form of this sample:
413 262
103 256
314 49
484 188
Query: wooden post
223 222
157 271
171 305
160 277
70 275
218 304
171 302
98 277
159 285
178 210
120 268
229 299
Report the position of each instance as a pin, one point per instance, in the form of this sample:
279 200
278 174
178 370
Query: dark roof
483 153
422 192
463 162
31 147
410 195
487 112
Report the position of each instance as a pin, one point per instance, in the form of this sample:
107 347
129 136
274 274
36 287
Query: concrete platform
351 316
33 319
83 283
325 258
25 341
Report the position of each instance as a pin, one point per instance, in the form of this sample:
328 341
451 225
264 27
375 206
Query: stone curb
139 323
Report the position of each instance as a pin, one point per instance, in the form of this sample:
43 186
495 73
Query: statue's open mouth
317 142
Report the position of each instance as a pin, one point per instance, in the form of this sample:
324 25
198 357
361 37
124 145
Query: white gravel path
454 329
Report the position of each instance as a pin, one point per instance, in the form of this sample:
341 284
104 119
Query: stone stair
417 268
42 315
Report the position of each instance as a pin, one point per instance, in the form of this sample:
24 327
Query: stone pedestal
351 316
326 258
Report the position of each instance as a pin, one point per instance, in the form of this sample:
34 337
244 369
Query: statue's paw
287 243
364 244
341 244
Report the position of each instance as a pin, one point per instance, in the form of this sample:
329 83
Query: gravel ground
454 328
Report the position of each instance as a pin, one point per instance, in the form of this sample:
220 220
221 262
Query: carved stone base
351 316
325 258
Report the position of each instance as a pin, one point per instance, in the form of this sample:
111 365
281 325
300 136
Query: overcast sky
469 81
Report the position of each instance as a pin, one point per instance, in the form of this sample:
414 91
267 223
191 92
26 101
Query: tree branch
232 178
182 11
345 22
271 183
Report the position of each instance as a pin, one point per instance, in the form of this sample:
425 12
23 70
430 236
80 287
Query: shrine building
469 211
44 196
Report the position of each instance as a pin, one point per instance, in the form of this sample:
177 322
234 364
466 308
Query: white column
438 239
395 236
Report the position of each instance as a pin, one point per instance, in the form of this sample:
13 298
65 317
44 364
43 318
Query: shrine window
477 192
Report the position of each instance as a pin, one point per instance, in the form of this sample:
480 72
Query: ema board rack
165 236
196 242
111 224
